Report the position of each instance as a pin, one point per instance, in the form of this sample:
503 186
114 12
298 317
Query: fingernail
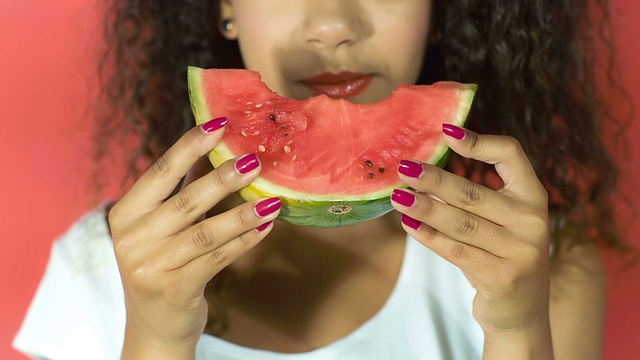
410 168
411 222
403 198
264 226
213 125
455 132
247 163
269 206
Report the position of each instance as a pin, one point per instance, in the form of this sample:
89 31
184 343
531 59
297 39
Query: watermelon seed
369 163
244 133
272 117
261 148
287 149
340 209
381 170
371 176
286 134
258 105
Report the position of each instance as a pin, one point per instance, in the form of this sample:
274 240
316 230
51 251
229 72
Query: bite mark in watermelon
332 162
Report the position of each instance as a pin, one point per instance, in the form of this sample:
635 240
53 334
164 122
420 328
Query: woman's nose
334 23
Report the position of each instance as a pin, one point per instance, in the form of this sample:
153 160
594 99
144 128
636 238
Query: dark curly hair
533 61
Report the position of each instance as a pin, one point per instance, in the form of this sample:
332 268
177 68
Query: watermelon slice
332 162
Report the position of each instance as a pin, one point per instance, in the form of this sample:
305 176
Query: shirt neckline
208 341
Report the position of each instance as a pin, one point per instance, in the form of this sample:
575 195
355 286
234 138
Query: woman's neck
290 245
303 288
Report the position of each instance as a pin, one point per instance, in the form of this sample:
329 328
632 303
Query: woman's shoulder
85 247
90 226
78 309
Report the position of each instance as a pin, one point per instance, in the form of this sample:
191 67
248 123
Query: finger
205 267
214 232
456 190
511 163
201 168
468 258
451 221
165 174
190 203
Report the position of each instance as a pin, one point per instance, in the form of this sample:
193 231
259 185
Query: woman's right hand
166 255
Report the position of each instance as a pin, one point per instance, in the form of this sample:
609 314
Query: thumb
504 152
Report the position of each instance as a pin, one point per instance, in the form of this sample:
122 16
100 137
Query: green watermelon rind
308 209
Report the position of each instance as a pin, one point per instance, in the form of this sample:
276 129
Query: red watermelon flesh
325 150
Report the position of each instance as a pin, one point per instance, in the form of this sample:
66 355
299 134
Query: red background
48 53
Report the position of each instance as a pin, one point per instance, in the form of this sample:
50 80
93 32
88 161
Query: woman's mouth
341 85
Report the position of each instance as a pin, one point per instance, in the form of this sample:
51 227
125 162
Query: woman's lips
341 85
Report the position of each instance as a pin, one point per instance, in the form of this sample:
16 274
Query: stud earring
227 25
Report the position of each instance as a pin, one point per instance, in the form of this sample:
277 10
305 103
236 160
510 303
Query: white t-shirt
78 311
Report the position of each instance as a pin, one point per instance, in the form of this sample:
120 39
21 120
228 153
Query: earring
227 25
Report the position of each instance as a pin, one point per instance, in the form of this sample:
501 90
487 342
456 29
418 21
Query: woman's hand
499 239
166 255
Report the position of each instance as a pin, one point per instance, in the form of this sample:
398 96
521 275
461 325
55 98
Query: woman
462 269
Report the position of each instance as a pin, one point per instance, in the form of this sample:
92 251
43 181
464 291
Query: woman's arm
578 303
499 239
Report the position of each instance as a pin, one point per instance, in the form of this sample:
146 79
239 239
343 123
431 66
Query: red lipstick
341 85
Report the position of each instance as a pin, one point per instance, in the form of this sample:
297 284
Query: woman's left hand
499 239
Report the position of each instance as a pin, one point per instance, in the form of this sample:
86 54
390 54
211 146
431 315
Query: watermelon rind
324 211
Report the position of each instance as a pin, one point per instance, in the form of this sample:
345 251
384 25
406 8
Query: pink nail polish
411 222
403 198
268 206
410 168
455 132
264 226
247 163
213 125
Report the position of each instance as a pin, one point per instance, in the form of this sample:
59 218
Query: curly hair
533 61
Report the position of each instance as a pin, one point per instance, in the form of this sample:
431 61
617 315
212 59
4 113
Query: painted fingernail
411 222
264 226
213 125
403 198
455 132
410 168
268 206
247 163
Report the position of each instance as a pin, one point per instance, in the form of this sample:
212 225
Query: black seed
371 175
381 170
369 163
286 134
272 117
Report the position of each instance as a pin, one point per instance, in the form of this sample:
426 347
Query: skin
167 251
331 36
